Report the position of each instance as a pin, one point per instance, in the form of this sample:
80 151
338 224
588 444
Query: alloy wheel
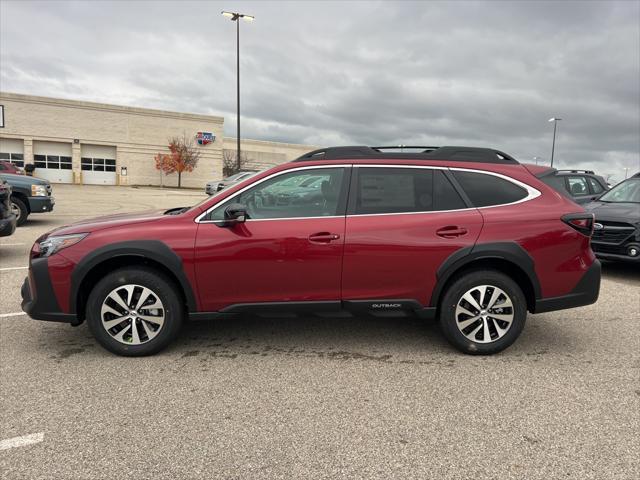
132 314
484 314
16 211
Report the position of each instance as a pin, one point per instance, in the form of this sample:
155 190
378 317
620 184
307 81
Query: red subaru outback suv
467 235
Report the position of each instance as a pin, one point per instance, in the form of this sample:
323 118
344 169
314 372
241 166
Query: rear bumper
585 293
38 298
41 204
8 225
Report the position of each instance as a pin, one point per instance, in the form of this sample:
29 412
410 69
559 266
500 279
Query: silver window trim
531 192
251 185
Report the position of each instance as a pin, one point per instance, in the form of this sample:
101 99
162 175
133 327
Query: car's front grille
613 233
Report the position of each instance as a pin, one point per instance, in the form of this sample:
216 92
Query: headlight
54 244
38 191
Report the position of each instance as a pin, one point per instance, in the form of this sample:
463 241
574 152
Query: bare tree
230 163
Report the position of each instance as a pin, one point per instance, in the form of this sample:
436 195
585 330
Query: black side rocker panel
151 249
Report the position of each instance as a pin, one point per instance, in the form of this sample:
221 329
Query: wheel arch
24 198
149 253
506 257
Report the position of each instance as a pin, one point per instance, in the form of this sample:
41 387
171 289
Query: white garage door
12 149
98 165
53 161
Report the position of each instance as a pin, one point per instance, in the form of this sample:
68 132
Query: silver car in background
215 186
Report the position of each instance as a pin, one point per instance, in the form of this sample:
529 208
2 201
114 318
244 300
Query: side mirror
235 213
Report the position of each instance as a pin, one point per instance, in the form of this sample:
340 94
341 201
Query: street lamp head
554 119
234 16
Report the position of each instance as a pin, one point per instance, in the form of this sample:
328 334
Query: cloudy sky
336 72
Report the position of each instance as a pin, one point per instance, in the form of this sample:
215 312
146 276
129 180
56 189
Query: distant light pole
235 17
553 145
536 159
626 172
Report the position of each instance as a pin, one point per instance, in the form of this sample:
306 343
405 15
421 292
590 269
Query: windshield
625 192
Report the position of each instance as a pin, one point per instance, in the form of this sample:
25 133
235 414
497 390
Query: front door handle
323 237
451 231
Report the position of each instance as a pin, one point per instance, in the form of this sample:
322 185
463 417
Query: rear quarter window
486 190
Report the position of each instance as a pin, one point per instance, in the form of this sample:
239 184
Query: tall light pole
553 145
235 17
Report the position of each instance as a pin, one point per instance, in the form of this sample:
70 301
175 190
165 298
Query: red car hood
109 221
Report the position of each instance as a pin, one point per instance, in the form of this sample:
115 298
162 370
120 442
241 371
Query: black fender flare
508 251
152 249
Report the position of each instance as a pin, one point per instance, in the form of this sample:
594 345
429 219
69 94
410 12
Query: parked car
29 195
7 217
616 233
8 167
214 187
582 186
465 235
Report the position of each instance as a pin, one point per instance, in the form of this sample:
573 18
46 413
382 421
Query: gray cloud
482 73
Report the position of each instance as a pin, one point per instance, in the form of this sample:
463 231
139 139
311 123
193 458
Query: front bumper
584 293
38 298
619 252
41 204
8 225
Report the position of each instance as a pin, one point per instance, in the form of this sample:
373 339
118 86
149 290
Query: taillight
582 222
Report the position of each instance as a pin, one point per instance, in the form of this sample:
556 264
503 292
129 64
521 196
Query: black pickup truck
29 195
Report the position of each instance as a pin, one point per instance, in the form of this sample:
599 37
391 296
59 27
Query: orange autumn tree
183 157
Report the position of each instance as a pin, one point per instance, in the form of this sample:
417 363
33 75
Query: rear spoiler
539 171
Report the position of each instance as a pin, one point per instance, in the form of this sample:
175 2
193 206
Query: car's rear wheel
134 311
19 209
483 312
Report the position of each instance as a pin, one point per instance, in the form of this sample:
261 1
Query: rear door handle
323 237
451 232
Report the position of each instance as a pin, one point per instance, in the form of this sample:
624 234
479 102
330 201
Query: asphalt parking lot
315 397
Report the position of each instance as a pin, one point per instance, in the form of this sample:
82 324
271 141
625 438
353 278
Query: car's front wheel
483 312
19 208
134 311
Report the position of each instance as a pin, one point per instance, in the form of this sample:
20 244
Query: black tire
161 286
463 284
20 209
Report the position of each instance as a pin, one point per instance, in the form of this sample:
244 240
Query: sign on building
205 138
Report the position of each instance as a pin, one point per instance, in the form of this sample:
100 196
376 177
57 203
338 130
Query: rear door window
486 190
595 186
404 190
577 186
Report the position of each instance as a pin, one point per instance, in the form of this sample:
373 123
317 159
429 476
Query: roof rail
460 154
578 171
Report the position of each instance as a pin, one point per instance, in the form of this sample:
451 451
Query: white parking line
14 314
11 244
21 441
12 268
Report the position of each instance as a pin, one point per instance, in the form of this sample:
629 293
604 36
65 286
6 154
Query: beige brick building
92 143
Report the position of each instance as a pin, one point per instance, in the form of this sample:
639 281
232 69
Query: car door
578 189
289 249
402 223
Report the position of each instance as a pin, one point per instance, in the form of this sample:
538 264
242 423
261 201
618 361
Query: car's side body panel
397 255
268 261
